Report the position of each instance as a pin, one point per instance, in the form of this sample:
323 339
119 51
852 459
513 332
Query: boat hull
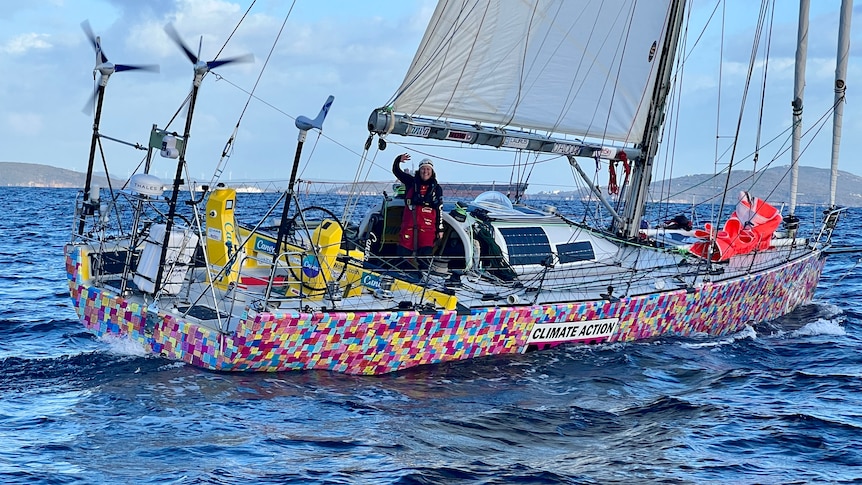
379 342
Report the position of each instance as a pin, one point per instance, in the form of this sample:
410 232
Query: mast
642 170
840 87
798 91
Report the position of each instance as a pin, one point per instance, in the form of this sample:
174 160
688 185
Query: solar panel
526 245
576 251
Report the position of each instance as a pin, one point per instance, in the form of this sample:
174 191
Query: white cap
426 161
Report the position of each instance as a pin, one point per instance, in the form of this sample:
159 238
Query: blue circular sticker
310 266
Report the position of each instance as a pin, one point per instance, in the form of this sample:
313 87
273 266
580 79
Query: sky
359 53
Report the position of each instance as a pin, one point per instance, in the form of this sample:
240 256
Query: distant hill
772 184
13 174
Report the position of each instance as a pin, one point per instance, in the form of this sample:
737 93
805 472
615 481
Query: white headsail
584 68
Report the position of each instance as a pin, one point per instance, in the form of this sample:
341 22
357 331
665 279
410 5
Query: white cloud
25 42
26 124
357 53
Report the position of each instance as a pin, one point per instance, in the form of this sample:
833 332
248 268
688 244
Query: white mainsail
584 68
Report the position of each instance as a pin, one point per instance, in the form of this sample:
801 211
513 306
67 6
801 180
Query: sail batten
577 68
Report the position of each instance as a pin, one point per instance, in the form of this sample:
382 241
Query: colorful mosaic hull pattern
386 341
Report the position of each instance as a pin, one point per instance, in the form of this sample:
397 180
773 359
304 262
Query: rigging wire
472 164
189 96
512 173
675 107
763 87
228 149
703 31
530 173
354 195
454 28
396 143
718 96
752 58
523 63
618 65
178 111
308 158
841 278
573 91
756 175
821 123
244 15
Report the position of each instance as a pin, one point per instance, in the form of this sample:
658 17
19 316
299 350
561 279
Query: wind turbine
105 68
304 124
201 68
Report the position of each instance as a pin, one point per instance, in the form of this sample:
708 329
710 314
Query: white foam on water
124 346
172 365
746 333
832 310
820 327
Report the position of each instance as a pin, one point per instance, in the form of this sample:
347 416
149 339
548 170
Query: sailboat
582 80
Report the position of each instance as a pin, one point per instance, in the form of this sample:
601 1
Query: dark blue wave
776 404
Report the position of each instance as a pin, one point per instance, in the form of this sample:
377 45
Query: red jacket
423 205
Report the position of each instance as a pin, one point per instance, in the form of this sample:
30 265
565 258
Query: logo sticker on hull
264 245
310 266
370 280
573 331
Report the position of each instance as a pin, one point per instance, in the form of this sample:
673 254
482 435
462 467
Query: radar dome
146 184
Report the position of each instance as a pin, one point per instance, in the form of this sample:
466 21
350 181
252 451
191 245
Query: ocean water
777 403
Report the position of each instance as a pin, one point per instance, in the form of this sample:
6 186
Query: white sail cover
580 67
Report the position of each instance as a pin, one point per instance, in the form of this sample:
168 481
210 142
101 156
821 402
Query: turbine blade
230 60
94 41
175 36
90 105
88 31
142 67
